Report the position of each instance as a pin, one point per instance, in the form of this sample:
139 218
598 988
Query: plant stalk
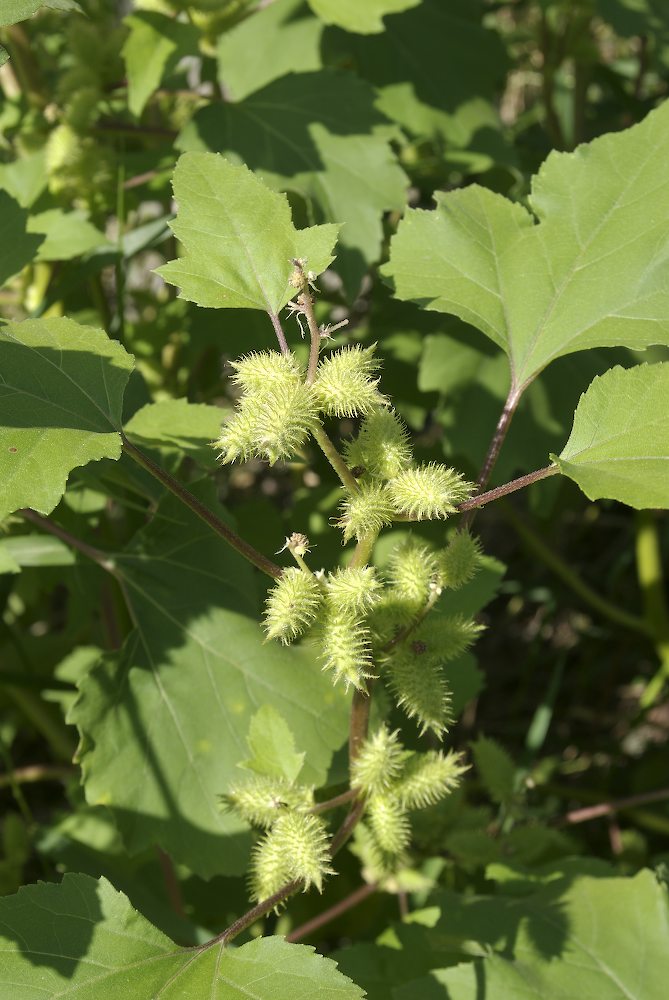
260 561
481 499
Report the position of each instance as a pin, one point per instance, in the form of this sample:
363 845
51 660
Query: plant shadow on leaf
47 387
164 721
62 956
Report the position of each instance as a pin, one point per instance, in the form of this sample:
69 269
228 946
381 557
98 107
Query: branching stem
481 499
327 916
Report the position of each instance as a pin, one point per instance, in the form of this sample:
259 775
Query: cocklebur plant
366 626
163 719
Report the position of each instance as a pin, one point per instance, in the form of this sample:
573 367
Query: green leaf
619 444
164 721
598 937
33 550
496 769
154 46
61 393
280 38
352 15
26 178
320 135
4 55
177 425
238 237
273 746
83 940
13 11
588 274
66 234
18 247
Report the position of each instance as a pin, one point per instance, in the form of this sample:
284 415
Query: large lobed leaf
238 237
164 722
83 940
619 444
592 272
61 393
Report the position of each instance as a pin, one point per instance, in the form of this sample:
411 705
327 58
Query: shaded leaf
177 425
61 393
280 38
66 234
13 11
238 237
364 17
18 247
154 46
164 721
495 768
619 445
589 273
598 937
83 939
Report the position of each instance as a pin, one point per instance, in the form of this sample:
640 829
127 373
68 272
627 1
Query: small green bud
344 386
391 614
382 447
354 590
292 605
297 847
443 637
345 648
379 762
261 800
460 560
413 571
389 823
366 512
429 777
256 371
429 491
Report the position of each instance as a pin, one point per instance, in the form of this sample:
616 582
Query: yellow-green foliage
379 762
296 847
275 414
460 560
344 385
292 605
365 512
353 590
428 491
382 448
261 799
345 647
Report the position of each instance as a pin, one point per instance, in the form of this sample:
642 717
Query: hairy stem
561 569
327 916
481 499
335 802
359 722
99 557
510 404
618 805
334 458
280 335
214 522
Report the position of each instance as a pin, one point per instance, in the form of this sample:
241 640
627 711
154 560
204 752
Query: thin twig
33 773
618 805
335 459
214 522
327 916
481 499
278 329
335 801
506 416
101 558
